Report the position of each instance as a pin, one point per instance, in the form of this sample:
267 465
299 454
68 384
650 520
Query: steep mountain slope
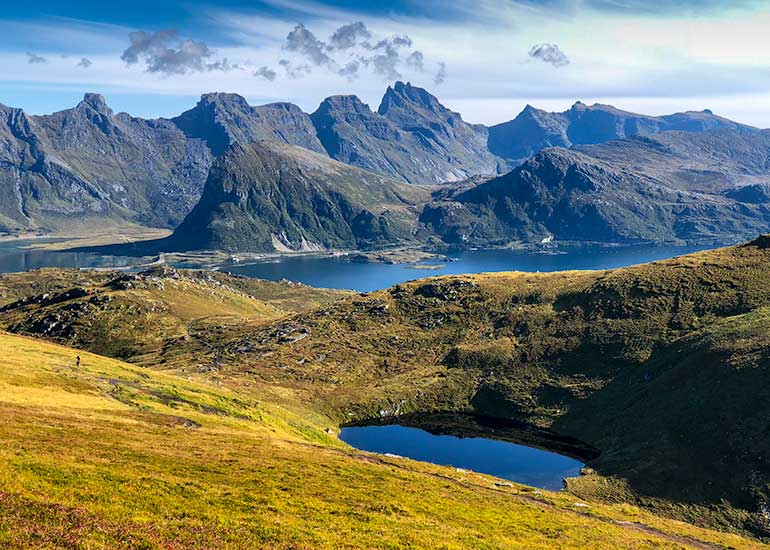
222 119
412 137
669 187
444 132
81 163
534 129
270 196
58 172
663 368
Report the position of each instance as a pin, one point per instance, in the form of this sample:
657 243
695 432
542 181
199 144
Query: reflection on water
512 461
365 277
15 256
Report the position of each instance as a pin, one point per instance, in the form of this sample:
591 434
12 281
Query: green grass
110 455
662 367
150 318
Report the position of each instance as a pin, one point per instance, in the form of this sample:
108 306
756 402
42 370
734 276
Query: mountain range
651 180
669 187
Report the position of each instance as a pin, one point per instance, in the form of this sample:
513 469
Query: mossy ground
110 455
662 367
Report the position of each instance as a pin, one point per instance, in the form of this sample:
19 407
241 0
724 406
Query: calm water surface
366 277
15 256
511 461
331 272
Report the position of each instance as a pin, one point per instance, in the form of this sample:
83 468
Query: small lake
331 272
519 463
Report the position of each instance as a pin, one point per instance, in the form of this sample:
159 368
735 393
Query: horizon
372 106
484 60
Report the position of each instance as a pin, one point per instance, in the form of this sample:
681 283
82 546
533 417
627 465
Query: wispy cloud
34 58
636 49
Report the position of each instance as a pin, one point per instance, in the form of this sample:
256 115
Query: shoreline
421 257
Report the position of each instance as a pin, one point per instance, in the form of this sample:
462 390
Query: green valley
236 387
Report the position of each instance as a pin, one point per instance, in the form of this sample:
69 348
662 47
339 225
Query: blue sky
484 58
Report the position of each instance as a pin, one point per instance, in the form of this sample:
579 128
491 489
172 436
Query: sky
486 59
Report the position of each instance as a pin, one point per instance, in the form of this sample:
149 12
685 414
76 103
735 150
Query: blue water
329 272
16 256
519 463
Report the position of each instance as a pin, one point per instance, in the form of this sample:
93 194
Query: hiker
77 361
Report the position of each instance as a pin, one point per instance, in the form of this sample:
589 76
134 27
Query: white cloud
673 62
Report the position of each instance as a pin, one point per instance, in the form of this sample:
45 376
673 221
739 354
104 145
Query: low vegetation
111 455
661 368
151 317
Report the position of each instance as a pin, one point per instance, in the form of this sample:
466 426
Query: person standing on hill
77 361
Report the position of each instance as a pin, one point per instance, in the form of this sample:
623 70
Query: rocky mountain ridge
61 170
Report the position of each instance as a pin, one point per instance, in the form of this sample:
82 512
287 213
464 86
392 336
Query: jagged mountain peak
406 96
96 102
224 98
343 102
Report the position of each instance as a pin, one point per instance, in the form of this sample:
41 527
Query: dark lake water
15 256
365 277
519 463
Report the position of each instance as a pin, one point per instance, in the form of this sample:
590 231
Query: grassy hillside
111 455
151 317
662 367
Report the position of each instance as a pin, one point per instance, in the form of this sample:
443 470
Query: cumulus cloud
440 74
85 63
266 73
294 71
350 70
165 52
223 65
350 49
302 41
347 36
34 58
549 53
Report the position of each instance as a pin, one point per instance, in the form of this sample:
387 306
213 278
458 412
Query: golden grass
110 455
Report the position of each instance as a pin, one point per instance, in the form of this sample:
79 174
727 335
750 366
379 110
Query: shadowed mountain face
675 186
87 163
412 137
534 129
61 169
270 196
